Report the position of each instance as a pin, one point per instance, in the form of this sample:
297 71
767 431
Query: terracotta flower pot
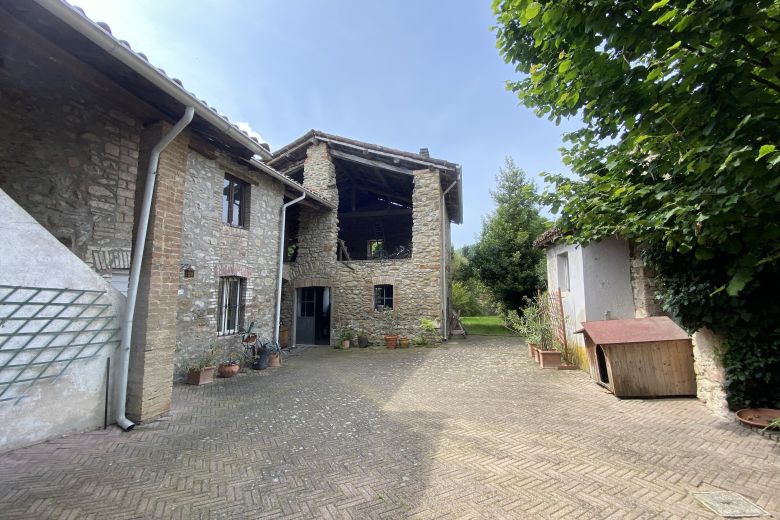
549 358
536 354
391 341
274 361
403 342
345 344
531 348
226 370
200 377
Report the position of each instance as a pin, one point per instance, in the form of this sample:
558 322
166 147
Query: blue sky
400 73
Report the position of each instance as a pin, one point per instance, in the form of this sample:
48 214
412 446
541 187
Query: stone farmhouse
119 186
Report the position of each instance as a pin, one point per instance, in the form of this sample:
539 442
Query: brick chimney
424 152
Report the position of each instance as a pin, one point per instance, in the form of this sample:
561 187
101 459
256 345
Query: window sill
231 226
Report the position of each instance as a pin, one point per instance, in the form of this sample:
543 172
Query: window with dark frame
234 192
232 291
307 302
383 297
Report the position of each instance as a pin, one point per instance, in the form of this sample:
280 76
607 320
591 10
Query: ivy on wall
679 150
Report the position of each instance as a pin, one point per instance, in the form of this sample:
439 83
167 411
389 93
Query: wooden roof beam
369 162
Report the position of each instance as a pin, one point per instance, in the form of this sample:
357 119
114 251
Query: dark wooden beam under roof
368 162
295 166
385 193
378 213
367 185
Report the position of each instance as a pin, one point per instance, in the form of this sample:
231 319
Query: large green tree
504 259
680 102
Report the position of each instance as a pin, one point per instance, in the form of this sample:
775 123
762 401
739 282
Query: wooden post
564 340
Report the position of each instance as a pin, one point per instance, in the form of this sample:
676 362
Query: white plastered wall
573 299
607 280
30 256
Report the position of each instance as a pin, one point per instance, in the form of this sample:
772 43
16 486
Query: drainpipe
283 217
135 267
445 307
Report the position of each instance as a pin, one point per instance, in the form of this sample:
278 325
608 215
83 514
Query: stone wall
214 249
416 281
68 144
710 374
644 286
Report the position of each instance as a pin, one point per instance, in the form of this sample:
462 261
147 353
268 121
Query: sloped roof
290 158
548 238
638 330
92 42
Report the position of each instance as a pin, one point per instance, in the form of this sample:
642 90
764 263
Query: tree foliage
679 149
504 259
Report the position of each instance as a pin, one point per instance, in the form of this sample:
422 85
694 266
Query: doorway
312 316
601 361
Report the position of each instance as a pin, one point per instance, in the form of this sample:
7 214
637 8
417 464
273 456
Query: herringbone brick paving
470 430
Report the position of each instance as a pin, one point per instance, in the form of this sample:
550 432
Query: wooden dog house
643 357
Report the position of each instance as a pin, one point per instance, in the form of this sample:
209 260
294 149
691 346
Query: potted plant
529 326
391 319
403 342
274 354
200 370
230 362
362 338
345 337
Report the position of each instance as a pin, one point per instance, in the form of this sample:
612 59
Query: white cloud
246 127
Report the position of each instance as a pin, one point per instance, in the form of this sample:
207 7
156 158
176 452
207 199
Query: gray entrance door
312 320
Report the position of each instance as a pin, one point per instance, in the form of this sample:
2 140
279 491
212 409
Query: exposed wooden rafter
368 162
296 166
378 213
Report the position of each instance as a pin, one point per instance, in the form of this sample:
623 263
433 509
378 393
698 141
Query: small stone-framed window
383 297
235 194
232 295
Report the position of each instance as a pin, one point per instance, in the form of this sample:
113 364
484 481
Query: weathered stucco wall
607 280
215 249
573 299
68 144
75 401
416 281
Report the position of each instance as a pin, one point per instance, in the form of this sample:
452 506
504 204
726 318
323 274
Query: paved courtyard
470 430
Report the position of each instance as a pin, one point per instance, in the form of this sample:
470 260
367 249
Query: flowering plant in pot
392 321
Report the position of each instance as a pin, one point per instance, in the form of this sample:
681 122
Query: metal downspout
135 267
278 315
445 307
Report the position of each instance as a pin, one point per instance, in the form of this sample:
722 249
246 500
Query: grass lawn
485 326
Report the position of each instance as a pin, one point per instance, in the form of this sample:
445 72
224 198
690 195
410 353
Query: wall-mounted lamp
189 271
